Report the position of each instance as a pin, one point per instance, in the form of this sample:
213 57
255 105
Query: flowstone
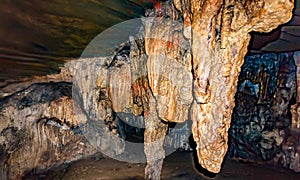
184 64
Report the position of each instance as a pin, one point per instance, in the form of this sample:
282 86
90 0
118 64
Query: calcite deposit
183 64
218 36
219 43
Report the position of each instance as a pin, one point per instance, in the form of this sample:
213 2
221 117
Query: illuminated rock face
175 72
219 32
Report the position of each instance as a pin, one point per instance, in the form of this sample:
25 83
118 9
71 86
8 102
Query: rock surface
173 73
261 128
219 43
39 130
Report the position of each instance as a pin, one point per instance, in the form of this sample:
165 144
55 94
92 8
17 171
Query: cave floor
178 165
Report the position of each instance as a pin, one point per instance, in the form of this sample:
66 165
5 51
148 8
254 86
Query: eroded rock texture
184 64
219 32
218 36
261 128
39 129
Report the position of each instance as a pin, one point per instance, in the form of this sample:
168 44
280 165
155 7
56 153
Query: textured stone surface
169 68
219 43
10 87
45 34
39 130
175 72
261 128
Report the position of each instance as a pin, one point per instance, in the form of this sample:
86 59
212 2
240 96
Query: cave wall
39 130
38 118
216 32
261 121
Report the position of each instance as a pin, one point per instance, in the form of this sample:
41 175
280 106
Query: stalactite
227 14
174 72
214 91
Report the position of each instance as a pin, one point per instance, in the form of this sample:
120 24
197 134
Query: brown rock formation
39 129
172 73
218 36
219 43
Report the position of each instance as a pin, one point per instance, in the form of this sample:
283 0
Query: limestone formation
167 73
219 43
218 36
39 130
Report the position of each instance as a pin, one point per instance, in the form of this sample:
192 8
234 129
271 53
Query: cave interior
71 69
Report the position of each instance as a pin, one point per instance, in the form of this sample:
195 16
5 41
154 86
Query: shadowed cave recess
153 96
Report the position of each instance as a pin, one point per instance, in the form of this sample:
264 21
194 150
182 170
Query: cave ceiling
285 38
39 36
